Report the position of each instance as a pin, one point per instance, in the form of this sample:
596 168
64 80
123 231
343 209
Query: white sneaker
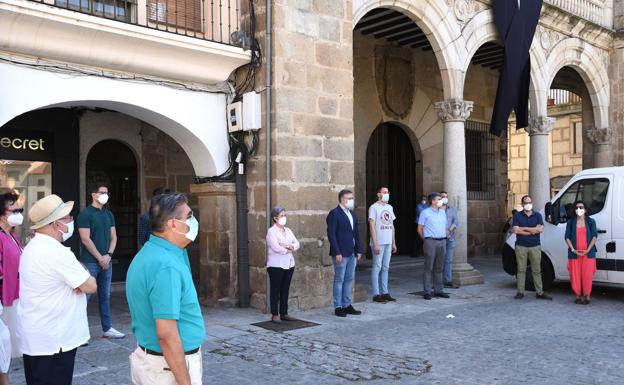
112 333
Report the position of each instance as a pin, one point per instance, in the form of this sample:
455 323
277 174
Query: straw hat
47 210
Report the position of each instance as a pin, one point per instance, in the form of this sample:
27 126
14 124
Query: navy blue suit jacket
343 239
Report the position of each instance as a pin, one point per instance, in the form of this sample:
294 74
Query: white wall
196 120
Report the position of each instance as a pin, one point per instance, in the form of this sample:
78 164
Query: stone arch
585 60
479 30
435 19
203 138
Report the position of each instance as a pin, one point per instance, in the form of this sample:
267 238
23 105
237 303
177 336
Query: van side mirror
548 212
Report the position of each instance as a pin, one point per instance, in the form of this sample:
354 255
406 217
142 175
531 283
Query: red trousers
582 270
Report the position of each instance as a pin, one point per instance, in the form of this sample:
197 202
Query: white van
602 191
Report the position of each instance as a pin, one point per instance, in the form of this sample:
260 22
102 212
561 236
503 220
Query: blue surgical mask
193 228
350 204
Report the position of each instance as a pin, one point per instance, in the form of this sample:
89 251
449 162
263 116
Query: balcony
185 41
213 20
592 10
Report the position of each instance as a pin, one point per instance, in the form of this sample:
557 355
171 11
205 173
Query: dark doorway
390 162
113 163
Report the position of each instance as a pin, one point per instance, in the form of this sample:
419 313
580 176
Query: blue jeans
103 278
381 262
448 261
343 280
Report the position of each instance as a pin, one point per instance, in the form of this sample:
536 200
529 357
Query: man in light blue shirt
432 229
166 317
420 207
451 222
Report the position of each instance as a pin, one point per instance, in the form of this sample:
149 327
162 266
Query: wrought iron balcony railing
213 20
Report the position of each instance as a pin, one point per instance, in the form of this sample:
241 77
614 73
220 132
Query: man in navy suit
344 248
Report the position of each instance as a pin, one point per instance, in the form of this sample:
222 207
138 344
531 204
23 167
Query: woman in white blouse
281 243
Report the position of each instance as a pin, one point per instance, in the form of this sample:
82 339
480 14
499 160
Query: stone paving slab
493 339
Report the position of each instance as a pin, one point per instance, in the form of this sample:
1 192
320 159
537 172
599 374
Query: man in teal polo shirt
166 317
96 226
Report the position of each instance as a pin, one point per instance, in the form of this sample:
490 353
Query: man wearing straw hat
53 305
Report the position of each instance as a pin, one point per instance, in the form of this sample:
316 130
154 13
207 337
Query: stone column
539 173
453 113
217 243
601 138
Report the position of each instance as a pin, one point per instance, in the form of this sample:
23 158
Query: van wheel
548 275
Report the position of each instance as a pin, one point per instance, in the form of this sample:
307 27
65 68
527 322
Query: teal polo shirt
159 285
99 221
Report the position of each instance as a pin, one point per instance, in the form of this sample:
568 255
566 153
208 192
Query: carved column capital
540 125
453 110
600 135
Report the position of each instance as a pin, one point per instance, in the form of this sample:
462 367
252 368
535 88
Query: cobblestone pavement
492 339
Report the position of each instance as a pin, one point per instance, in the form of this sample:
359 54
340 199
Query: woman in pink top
10 252
281 243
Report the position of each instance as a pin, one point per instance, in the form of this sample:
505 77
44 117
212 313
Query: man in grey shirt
451 223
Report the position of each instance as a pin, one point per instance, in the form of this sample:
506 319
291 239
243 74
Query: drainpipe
269 58
242 235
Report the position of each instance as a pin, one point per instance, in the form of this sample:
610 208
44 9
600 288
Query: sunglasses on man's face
15 211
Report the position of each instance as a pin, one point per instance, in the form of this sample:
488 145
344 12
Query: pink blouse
278 255
10 252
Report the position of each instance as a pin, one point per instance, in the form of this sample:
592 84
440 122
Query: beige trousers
147 369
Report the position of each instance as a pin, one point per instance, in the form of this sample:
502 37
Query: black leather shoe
379 298
543 296
340 312
441 295
387 297
451 286
427 296
351 310
519 296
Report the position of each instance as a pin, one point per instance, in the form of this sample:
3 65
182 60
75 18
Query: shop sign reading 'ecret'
26 145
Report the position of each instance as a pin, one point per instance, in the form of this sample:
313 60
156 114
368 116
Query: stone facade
564 160
311 141
326 104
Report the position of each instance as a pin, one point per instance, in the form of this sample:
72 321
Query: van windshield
593 193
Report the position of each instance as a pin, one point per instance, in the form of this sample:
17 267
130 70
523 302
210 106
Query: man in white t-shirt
53 305
382 243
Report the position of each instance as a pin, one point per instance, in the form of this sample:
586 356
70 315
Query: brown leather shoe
379 298
286 317
388 298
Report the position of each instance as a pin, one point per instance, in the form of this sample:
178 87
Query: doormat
285 326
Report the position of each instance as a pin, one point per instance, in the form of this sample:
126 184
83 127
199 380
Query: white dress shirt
52 316
348 212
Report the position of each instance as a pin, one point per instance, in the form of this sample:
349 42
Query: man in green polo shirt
166 318
96 226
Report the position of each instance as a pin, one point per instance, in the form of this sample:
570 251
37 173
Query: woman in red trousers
581 235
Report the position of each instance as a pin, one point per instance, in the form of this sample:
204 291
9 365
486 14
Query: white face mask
15 219
385 198
580 212
193 228
70 231
445 201
439 203
103 198
282 221
528 207
350 204
424 202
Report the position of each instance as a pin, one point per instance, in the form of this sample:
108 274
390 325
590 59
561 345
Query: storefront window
32 180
